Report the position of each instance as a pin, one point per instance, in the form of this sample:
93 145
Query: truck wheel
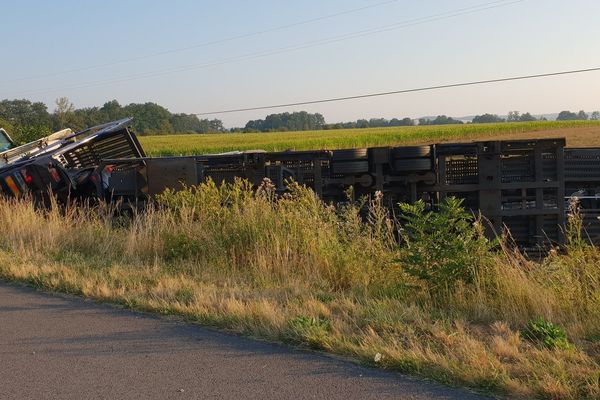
350 167
349 154
411 152
417 164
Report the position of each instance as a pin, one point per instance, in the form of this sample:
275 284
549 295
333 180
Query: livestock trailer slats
514 181
460 170
524 186
591 225
518 186
115 144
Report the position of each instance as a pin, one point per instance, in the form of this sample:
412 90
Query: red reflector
26 177
54 174
109 169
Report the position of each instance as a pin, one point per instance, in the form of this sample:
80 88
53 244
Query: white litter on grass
377 357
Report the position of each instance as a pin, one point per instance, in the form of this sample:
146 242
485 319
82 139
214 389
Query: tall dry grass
300 271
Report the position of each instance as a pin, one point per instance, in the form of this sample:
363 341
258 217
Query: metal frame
519 185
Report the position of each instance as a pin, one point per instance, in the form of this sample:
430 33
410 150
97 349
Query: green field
342 138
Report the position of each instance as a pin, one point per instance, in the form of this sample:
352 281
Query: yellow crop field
575 131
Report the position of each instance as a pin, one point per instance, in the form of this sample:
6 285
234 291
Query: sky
203 56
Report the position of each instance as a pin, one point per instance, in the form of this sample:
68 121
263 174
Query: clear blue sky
42 40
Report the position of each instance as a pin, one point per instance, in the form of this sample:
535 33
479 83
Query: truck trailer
523 186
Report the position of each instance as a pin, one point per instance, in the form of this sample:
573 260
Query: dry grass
299 271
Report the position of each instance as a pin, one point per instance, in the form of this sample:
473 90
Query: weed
185 295
180 246
298 270
312 331
444 247
550 335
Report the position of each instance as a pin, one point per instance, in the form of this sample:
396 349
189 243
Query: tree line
581 115
299 121
516 116
296 121
27 120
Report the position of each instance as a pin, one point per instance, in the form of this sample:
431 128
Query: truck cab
5 141
62 164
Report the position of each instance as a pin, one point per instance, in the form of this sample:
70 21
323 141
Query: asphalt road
61 347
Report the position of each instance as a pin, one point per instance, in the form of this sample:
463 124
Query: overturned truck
524 186
64 164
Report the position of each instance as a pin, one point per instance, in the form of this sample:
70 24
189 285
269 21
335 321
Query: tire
366 181
417 164
349 154
411 152
350 167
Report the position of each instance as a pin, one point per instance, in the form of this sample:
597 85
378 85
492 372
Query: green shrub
313 331
185 295
26 134
443 247
550 335
180 246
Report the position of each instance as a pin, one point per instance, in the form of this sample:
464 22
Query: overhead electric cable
421 89
206 44
250 56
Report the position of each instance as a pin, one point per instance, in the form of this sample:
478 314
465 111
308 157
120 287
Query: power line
209 43
421 89
255 55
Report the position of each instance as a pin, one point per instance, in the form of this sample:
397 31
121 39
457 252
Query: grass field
299 271
443 305
371 137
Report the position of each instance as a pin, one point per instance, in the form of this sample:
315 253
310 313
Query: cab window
5 142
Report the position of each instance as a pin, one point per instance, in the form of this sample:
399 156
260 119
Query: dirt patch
576 137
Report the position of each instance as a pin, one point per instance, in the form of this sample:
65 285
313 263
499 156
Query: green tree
28 121
513 116
401 122
362 123
184 123
566 116
24 113
64 113
296 121
215 125
439 120
527 117
490 118
149 118
6 126
442 247
112 111
378 122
